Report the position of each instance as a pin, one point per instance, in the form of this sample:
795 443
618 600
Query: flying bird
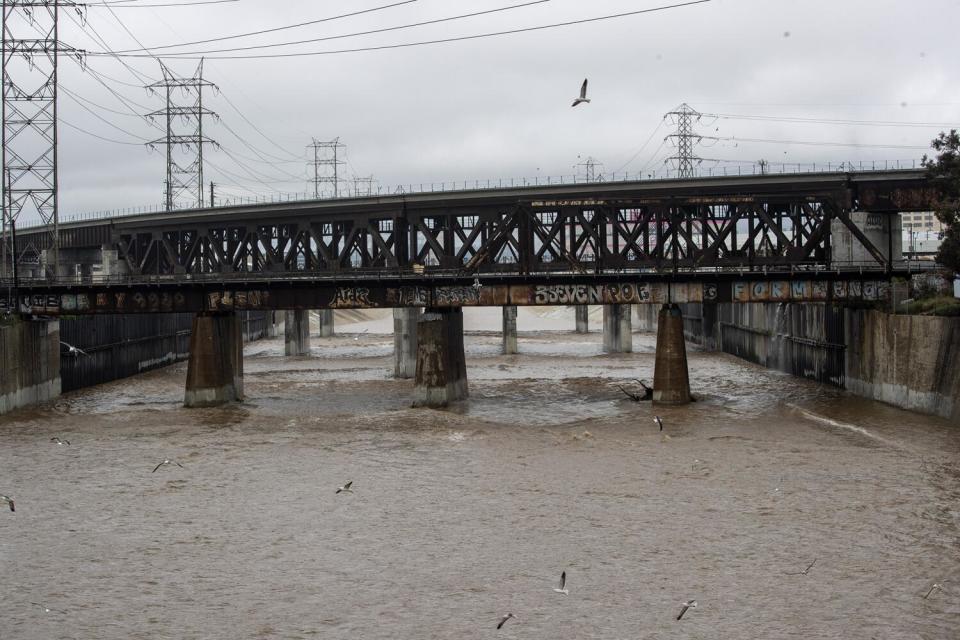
72 350
936 587
563 585
165 462
658 421
583 94
689 604
59 441
805 571
47 609
9 501
357 337
504 619
346 488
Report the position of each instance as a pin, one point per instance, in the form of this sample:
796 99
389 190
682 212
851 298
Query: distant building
923 221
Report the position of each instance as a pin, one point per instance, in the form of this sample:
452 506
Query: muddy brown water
460 516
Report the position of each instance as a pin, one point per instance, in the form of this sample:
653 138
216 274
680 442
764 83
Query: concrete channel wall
908 361
119 346
29 362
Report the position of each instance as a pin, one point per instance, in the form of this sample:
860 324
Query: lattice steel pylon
30 176
684 139
183 178
325 155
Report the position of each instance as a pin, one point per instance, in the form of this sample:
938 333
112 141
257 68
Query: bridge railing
505 183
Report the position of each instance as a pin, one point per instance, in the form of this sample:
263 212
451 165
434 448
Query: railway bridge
819 237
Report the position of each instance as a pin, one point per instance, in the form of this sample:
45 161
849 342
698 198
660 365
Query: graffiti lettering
568 294
456 296
348 297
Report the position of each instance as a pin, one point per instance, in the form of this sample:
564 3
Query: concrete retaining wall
909 361
30 357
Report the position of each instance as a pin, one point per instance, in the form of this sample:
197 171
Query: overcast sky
499 107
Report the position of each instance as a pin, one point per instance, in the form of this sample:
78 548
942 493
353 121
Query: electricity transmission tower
31 48
325 155
183 179
684 139
362 186
590 169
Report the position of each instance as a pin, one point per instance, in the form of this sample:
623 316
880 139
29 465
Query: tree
945 171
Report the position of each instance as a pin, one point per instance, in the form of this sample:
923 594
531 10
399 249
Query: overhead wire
404 45
363 33
272 30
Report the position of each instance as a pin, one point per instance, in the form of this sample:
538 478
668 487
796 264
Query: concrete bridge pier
296 333
617 328
29 362
441 365
405 320
671 379
215 368
326 322
270 328
510 329
582 312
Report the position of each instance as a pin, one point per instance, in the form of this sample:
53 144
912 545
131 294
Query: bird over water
165 462
563 584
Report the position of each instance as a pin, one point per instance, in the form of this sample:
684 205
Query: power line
125 4
839 121
358 33
404 45
855 145
272 30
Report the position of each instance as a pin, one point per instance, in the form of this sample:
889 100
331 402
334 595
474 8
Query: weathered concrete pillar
583 318
405 341
270 327
29 363
510 329
441 366
671 380
215 368
326 322
296 333
617 328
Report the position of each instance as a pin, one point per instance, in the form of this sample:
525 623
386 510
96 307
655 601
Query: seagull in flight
357 337
936 587
165 462
658 421
504 619
59 441
563 585
346 488
72 350
583 94
9 501
689 604
805 571
47 609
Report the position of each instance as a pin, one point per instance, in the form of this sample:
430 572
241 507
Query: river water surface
460 516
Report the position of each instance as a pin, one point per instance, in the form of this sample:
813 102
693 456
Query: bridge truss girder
524 237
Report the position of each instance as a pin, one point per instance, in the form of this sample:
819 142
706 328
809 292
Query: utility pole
362 186
183 179
212 201
685 139
29 158
325 155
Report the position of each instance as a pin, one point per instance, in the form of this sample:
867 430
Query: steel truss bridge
752 228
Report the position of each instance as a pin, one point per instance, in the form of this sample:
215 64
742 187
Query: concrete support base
510 329
617 328
215 369
441 365
582 312
671 380
326 323
296 333
405 341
